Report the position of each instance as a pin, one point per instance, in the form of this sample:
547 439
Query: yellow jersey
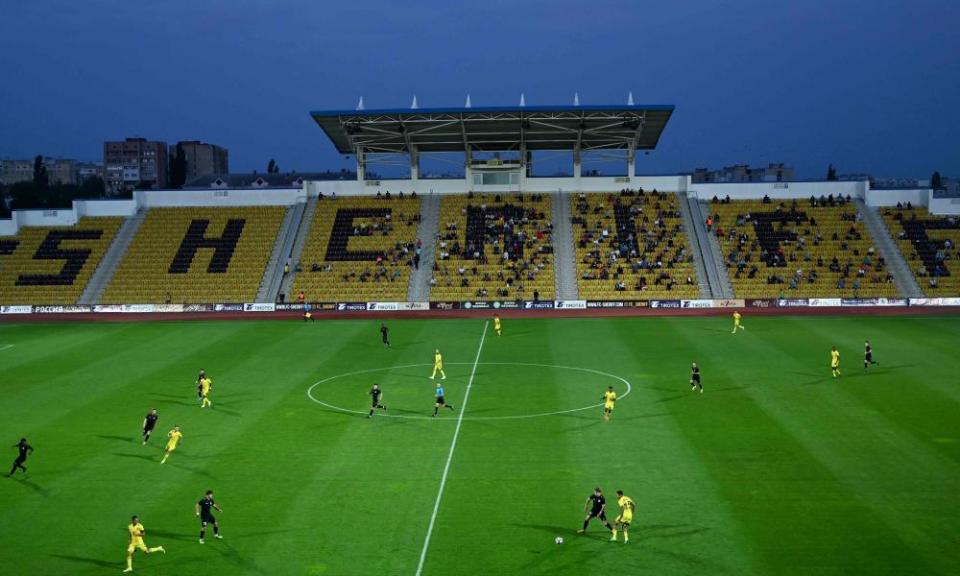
736 317
174 438
437 359
834 357
626 507
496 323
136 532
205 386
609 397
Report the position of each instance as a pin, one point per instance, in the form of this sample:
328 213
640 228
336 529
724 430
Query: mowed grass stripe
789 503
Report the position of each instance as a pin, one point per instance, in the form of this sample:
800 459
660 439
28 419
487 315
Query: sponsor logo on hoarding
139 308
61 309
605 304
443 305
570 304
639 303
16 309
108 308
286 306
198 308
477 305
228 307
383 306
926 301
168 308
825 302
538 305
511 304
664 303
414 306
351 306
729 303
696 303
760 303
792 302
259 307
950 301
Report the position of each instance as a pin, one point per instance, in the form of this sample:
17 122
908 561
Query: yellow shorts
171 447
625 519
137 545
835 365
438 366
608 407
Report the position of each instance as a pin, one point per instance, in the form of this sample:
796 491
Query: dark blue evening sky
872 86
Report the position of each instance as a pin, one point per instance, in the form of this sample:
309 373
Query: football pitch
776 468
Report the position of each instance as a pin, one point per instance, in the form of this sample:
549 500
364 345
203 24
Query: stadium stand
631 245
359 248
815 248
494 247
929 243
197 255
52 265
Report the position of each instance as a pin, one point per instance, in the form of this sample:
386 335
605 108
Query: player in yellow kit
173 440
609 399
438 365
625 518
496 324
205 385
736 322
136 542
835 362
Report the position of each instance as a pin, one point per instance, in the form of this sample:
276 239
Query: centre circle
624 381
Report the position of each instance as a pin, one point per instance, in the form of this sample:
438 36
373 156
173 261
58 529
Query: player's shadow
83 560
163 534
138 456
117 438
665 531
193 470
34 486
818 378
174 399
555 530
221 410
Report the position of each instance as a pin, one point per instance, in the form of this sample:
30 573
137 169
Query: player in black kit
149 423
204 509
24 449
695 378
384 334
596 507
375 394
868 355
200 377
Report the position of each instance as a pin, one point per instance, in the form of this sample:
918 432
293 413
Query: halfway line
453 446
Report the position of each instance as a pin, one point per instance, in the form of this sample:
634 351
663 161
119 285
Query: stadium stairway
883 241
302 229
708 251
102 276
694 240
564 250
419 288
273 273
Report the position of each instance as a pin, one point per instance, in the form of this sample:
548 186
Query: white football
559 540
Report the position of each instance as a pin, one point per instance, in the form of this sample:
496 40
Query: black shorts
207 519
602 515
440 400
868 357
148 429
375 402
695 378
19 460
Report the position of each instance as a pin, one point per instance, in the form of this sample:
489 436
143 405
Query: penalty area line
453 446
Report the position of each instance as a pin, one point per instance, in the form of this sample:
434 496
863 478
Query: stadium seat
631 246
494 247
359 249
197 255
52 265
813 248
929 244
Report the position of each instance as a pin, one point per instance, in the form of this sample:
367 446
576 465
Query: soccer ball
558 540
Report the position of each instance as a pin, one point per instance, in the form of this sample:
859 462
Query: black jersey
24 448
206 507
868 350
695 373
151 421
375 395
597 501
383 332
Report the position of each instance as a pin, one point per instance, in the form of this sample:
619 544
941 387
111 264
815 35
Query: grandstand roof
497 128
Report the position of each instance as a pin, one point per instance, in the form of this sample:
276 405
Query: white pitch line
2 348
453 446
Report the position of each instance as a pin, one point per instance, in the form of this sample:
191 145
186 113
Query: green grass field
775 469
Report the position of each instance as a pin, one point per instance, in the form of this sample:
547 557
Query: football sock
165 456
450 407
585 522
626 536
129 561
614 534
202 532
216 529
434 410
157 549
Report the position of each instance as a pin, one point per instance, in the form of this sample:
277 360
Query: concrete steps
273 272
564 249
419 288
302 228
108 265
887 247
